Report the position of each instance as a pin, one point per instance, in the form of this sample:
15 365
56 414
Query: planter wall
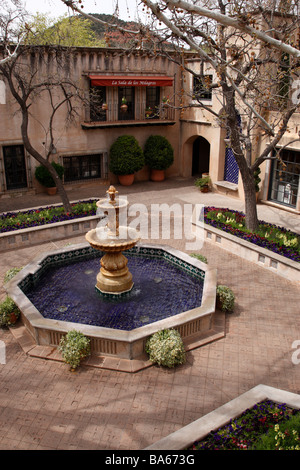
46 233
261 256
199 429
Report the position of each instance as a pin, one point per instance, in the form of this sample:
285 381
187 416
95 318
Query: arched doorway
201 153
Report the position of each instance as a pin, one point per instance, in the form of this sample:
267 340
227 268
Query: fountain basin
195 325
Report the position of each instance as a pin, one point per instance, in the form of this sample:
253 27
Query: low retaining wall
46 233
261 256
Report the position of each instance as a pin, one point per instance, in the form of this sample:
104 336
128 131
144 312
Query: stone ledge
227 185
197 430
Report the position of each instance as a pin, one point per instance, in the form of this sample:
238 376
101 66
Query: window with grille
202 87
152 100
126 93
81 167
285 178
97 99
15 166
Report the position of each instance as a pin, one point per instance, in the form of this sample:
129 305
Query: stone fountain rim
36 320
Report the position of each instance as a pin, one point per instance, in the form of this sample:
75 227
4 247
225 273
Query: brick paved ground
44 406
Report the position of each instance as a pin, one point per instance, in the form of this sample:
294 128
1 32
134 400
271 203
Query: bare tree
12 31
253 48
35 73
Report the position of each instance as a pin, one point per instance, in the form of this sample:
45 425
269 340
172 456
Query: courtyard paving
43 406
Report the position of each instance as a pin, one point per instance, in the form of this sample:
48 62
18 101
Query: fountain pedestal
114 276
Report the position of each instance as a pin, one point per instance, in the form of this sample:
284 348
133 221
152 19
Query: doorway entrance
15 167
201 153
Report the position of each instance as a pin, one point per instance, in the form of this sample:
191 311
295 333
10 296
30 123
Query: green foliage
166 348
11 273
159 153
225 298
43 176
74 347
65 31
9 312
202 182
284 436
269 232
35 217
199 257
126 156
257 179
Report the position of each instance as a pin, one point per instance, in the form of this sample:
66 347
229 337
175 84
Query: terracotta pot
124 108
126 180
52 191
204 189
157 175
13 318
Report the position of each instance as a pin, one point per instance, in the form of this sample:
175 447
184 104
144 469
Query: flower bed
12 221
245 431
272 237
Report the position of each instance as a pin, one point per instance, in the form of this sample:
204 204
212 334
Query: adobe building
146 81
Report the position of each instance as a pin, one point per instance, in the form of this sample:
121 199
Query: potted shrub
159 155
9 312
125 158
148 112
44 177
74 347
124 105
166 348
204 184
225 299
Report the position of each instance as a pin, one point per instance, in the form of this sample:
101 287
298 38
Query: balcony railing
164 114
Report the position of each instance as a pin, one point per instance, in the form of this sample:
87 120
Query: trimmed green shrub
126 156
74 347
159 153
225 298
166 348
43 176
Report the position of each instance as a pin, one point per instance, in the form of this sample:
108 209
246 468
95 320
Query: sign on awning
103 80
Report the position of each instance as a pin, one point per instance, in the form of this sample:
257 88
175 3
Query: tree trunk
43 161
247 174
250 202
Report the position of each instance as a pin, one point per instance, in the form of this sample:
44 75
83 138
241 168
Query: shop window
82 167
285 178
202 87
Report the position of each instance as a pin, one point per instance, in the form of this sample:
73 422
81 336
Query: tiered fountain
114 277
169 289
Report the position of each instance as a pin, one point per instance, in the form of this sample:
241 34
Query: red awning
104 80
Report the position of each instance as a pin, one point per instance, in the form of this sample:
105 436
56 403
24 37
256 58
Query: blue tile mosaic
231 170
65 290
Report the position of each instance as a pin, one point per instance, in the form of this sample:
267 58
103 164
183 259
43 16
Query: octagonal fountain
151 288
